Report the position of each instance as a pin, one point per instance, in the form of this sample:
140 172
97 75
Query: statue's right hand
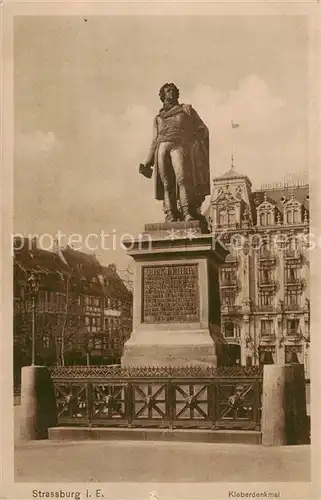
146 170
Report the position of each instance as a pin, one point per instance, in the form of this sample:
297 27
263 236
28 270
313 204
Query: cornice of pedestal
176 239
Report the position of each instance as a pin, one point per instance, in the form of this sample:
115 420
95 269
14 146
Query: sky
86 91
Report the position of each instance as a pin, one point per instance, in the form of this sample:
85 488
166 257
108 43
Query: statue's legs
181 166
174 168
167 176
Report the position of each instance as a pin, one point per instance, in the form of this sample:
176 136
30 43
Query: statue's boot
186 214
169 216
170 210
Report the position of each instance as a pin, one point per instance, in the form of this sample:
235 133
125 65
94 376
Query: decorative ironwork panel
109 401
170 293
150 401
191 403
72 402
236 404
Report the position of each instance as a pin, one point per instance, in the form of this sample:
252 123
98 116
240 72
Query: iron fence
169 397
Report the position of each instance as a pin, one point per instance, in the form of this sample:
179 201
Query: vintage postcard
160 250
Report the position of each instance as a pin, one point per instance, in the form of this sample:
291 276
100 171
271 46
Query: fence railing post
216 409
90 405
211 403
129 404
170 404
256 405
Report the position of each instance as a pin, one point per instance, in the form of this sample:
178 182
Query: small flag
235 125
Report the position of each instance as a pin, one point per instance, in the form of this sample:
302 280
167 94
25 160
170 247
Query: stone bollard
38 403
284 416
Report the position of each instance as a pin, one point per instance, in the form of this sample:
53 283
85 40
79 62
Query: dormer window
266 213
292 211
227 216
293 216
266 219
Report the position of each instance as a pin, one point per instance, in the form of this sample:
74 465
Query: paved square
132 461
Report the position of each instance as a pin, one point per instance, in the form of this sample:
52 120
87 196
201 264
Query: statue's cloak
197 150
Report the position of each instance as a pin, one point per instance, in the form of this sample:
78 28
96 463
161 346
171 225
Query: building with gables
83 309
264 283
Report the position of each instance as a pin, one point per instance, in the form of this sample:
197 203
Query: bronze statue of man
180 156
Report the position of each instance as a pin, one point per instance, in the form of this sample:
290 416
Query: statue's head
169 92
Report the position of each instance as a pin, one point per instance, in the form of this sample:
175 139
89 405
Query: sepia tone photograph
161 251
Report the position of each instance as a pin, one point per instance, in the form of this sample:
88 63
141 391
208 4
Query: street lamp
33 282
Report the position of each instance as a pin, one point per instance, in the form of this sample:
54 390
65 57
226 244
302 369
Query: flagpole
233 148
232 145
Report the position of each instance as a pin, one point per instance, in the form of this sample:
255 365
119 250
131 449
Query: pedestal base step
178 435
168 355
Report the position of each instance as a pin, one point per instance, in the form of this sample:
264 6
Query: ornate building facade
264 283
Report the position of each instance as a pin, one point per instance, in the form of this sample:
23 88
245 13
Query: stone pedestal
284 418
38 403
176 316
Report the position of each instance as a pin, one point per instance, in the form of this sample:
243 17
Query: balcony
292 306
229 283
294 255
266 255
267 283
294 334
266 308
267 337
293 283
230 308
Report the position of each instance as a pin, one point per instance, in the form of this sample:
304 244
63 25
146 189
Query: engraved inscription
170 294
